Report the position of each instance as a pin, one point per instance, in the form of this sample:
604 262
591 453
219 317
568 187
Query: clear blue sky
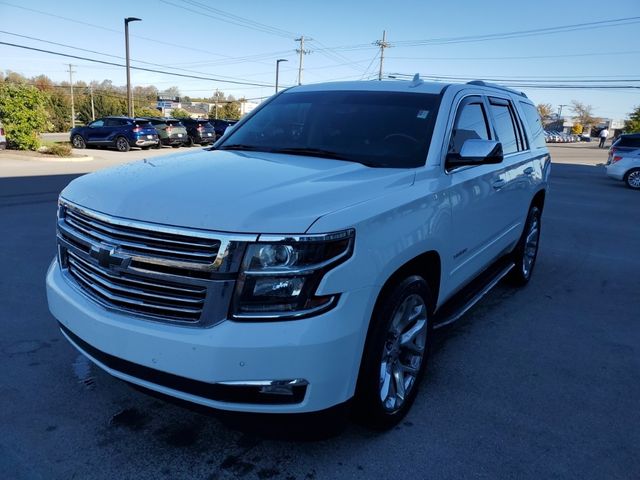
209 45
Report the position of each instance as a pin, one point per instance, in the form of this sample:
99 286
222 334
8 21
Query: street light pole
278 70
126 43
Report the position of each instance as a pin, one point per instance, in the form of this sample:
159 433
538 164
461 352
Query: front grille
136 294
195 253
163 273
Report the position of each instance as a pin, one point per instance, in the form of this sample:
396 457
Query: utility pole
93 110
73 107
126 46
382 44
302 53
560 109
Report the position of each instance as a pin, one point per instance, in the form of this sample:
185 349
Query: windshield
378 129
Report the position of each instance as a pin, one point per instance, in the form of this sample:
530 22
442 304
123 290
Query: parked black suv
119 132
220 125
198 131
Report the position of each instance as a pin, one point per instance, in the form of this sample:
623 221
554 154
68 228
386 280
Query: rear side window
471 123
626 141
115 122
505 126
534 123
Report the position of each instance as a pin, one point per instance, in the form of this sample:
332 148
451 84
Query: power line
109 55
232 19
522 79
190 48
213 79
502 36
523 57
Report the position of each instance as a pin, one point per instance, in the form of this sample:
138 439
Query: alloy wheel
531 246
403 353
633 179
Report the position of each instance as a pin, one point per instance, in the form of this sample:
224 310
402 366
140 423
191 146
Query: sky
241 40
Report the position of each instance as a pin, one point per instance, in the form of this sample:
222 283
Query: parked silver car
3 139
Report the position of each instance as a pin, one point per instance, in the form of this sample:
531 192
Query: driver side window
96 124
471 122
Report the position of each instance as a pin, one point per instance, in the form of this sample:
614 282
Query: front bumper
322 351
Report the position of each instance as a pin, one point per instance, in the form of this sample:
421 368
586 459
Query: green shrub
58 149
23 113
147 112
180 113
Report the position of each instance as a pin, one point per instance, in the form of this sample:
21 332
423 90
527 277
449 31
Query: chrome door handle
498 184
528 170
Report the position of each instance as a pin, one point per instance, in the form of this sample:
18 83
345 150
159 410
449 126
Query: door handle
498 184
528 170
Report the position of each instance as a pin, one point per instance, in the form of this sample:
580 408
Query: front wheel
122 144
189 142
395 354
632 179
526 251
78 142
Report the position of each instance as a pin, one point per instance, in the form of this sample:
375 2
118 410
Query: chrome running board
446 315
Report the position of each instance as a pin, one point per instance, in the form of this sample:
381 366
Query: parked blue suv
122 133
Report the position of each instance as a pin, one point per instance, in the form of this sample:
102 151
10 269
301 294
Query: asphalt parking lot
542 382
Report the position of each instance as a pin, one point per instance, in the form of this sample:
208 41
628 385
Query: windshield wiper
240 146
311 152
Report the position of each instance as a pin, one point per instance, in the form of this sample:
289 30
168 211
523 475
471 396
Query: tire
632 179
158 146
526 251
78 142
391 350
122 144
189 142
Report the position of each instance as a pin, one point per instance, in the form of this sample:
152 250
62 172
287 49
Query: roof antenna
416 81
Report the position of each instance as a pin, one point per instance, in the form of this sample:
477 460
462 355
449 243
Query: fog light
283 387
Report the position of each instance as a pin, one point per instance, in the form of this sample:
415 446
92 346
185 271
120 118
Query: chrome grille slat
127 245
105 228
163 310
129 291
183 288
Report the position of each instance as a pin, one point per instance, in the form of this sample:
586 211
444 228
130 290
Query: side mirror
476 151
227 130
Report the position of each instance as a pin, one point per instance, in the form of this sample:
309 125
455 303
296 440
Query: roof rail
482 83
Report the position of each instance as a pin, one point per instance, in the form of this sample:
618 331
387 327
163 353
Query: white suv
304 261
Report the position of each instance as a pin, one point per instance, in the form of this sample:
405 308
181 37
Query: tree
545 110
147 112
584 114
59 109
180 113
22 109
43 83
105 103
632 124
171 92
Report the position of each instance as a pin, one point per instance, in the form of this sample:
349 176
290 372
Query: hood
241 192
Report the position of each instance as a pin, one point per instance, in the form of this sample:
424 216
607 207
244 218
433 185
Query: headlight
280 275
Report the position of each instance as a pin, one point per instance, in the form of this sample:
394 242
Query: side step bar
462 302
